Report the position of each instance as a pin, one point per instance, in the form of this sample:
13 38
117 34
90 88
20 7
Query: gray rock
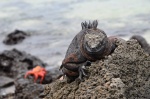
6 81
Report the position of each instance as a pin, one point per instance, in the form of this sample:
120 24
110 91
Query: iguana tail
144 44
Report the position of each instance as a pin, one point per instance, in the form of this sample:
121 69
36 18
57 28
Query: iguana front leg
82 70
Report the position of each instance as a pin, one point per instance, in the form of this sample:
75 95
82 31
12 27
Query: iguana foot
82 70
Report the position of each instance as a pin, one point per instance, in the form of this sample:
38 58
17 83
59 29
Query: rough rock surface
122 75
15 37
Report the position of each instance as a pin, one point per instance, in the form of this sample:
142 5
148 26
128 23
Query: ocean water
54 23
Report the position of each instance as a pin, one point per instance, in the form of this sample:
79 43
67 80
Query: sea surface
54 23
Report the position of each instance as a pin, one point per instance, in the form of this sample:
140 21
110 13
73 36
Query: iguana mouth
98 49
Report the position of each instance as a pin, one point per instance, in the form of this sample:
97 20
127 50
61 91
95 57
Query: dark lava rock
122 75
15 37
26 89
14 64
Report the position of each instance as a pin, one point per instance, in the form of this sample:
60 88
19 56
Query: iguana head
94 39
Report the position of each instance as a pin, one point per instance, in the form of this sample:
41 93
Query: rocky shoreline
122 75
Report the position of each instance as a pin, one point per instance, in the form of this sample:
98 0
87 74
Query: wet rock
7 90
5 81
14 61
6 85
55 73
13 65
122 75
26 89
48 78
15 37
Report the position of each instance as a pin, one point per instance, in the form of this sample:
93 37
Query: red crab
36 72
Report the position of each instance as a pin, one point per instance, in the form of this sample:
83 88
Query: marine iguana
90 44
